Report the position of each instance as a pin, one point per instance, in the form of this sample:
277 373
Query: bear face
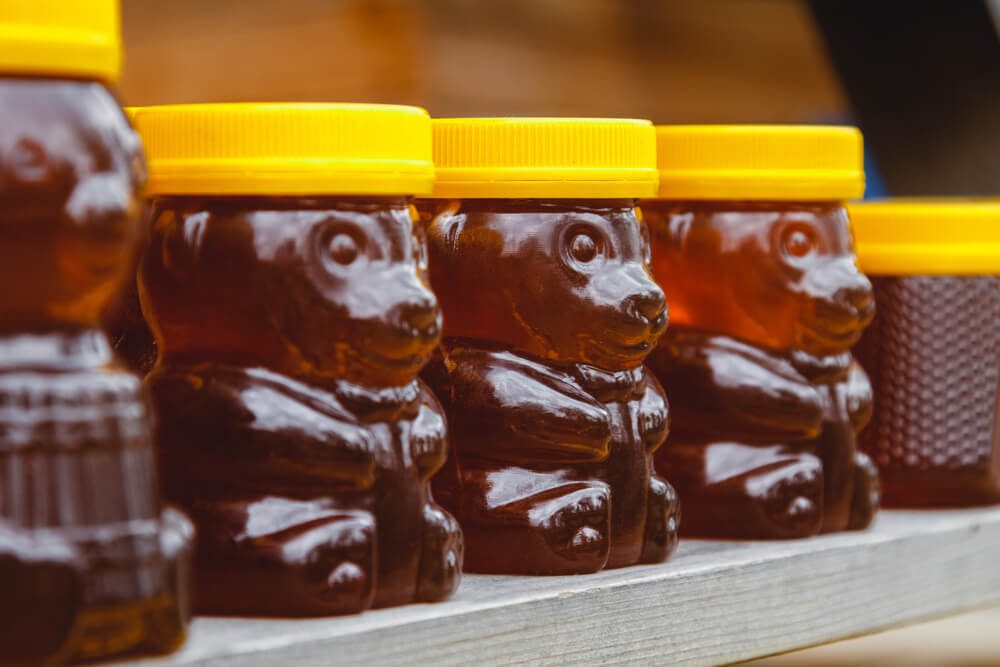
564 281
319 288
778 276
71 169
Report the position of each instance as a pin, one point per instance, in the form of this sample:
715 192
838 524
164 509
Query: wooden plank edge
715 602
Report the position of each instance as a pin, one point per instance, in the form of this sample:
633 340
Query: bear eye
583 248
798 242
343 249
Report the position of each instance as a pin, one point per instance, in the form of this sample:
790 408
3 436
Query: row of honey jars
91 564
545 274
285 284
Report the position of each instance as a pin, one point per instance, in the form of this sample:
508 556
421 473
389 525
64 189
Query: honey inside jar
751 242
285 284
93 565
542 267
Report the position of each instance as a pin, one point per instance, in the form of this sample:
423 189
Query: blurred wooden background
669 60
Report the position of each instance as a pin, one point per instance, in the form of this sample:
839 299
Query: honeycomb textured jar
933 354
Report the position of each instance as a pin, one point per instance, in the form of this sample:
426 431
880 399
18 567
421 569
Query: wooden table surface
714 602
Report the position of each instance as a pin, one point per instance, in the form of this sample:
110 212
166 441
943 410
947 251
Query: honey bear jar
933 350
91 564
286 287
542 268
752 245
131 339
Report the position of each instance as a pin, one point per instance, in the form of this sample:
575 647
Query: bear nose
649 303
857 295
858 299
420 315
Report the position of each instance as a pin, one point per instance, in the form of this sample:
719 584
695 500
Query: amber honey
93 564
289 331
550 310
766 301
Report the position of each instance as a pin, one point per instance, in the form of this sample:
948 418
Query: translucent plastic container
752 245
542 268
285 284
92 564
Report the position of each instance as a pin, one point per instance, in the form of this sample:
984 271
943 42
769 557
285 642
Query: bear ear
452 229
678 227
444 228
181 244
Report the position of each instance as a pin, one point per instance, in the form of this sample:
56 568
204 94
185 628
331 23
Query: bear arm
719 392
427 435
859 396
500 412
258 436
654 415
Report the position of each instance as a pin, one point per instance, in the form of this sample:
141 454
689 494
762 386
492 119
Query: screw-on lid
550 158
927 236
286 149
760 162
73 38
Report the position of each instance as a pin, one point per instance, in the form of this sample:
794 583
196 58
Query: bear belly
400 496
626 471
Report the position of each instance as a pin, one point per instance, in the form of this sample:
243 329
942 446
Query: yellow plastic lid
927 236
550 158
760 162
72 38
286 149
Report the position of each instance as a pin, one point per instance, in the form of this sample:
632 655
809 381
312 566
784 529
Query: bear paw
662 521
331 566
577 525
441 559
790 498
867 493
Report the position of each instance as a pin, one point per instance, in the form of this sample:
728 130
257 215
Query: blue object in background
874 185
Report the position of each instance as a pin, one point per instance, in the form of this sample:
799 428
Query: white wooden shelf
713 602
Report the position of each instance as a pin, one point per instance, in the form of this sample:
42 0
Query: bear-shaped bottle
542 268
131 339
752 245
285 285
933 350
91 564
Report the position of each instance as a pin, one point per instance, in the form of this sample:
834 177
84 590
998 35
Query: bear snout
648 306
859 300
841 293
420 318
